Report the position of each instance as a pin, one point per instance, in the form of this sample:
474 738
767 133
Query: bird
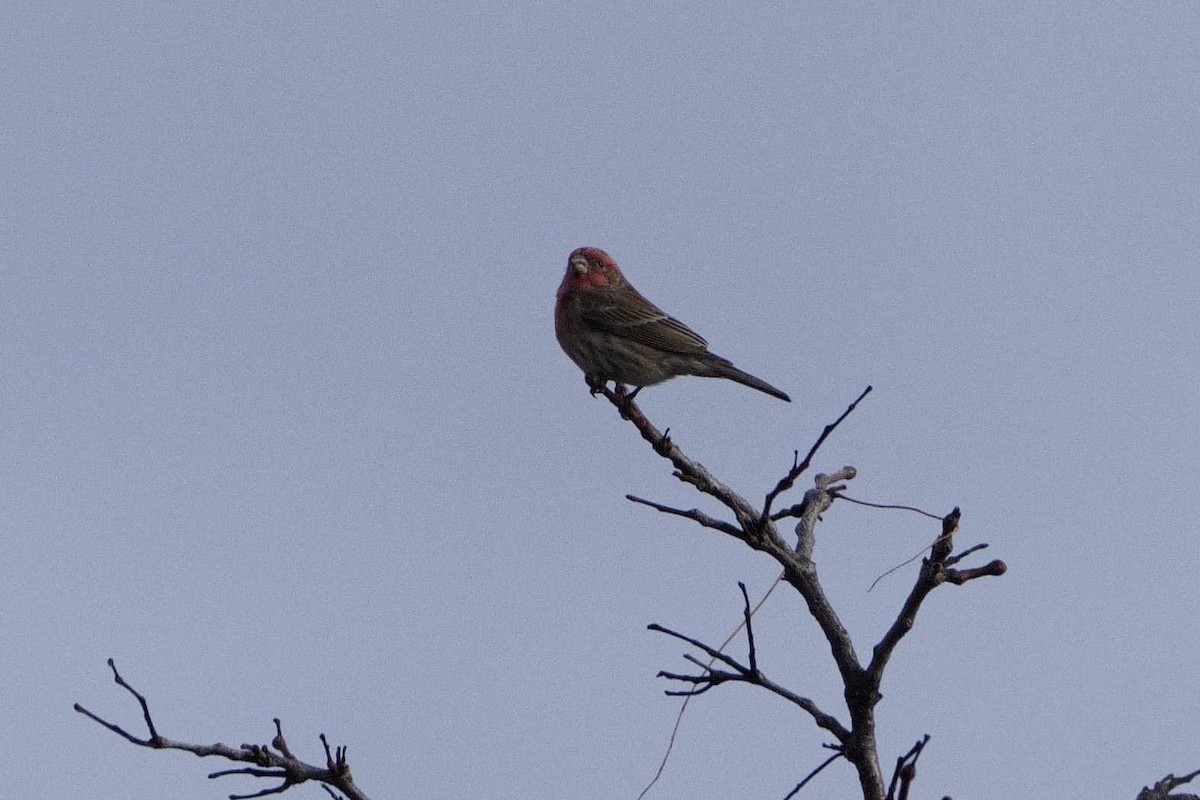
613 333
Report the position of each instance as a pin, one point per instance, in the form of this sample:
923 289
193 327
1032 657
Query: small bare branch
816 502
279 743
838 753
686 469
957 557
694 514
1162 789
992 569
274 761
662 764
934 571
945 543
824 483
712 652
798 468
710 677
747 613
906 770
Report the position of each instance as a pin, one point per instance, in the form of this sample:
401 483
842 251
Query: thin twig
789 480
687 470
662 765
746 616
694 514
815 772
1162 789
906 770
708 678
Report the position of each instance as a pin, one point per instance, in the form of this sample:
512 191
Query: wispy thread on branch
892 506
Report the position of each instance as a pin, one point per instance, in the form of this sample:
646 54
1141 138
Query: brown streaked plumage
615 334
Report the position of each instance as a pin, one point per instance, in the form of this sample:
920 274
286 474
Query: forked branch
1162 790
757 528
708 677
906 771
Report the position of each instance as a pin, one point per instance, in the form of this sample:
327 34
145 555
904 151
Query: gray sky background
286 431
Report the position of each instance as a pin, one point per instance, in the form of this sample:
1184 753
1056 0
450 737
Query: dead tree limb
757 528
1162 790
273 761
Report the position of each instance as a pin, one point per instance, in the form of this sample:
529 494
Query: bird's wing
636 318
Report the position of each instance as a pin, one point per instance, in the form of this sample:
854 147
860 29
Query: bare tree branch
274 761
686 470
666 757
757 528
1162 789
906 770
694 514
709 677
826 488
837 754
789 480
935 570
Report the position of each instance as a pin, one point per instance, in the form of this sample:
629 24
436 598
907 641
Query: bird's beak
579 265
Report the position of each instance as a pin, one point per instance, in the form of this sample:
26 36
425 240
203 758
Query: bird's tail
720 368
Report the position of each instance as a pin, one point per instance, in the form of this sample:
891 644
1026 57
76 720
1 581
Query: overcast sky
286 431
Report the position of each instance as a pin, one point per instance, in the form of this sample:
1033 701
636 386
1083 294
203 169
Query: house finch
615 334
